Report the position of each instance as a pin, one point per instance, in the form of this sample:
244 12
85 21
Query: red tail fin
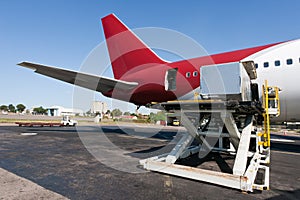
126 50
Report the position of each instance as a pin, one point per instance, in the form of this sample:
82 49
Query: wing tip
21 63
27 65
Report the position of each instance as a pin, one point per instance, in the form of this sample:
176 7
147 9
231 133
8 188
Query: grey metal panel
230 80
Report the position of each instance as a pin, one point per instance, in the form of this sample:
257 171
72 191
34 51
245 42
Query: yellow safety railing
271 104
196 95
266 115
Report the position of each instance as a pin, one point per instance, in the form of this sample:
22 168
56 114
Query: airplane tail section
125 49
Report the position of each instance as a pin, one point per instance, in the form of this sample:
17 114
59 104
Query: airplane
142 77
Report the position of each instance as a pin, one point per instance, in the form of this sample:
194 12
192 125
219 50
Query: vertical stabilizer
125 49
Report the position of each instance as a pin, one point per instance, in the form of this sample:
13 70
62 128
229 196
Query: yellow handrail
278 101
266 115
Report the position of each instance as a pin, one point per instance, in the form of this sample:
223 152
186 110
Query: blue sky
62 33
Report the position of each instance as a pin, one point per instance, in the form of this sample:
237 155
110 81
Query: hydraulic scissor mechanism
225 127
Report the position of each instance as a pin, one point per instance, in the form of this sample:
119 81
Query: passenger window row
188 74
277 63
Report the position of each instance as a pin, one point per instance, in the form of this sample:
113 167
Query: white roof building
61 111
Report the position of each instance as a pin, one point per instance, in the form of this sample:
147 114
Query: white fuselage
280 65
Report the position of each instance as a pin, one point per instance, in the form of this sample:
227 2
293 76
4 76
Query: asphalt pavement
100 162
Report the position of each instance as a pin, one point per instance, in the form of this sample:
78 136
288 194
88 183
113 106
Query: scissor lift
227 127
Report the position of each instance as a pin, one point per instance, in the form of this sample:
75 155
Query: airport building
61 111
98 107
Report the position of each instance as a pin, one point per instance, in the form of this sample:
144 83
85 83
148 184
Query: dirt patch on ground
15 187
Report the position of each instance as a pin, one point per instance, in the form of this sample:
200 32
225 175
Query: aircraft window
266 64
277 63
195 73
256 65
188 74
289 61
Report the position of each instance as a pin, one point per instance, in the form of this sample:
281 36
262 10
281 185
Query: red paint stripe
232 56
238 55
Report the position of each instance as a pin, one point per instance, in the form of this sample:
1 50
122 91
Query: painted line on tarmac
28 134
282 140
286 152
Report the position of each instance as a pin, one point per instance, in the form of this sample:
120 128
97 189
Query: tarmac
101 162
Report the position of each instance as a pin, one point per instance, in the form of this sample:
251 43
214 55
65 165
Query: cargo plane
142 77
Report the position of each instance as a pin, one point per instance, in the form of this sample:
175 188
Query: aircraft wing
93 82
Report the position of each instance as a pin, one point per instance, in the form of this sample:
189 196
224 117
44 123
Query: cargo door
170 79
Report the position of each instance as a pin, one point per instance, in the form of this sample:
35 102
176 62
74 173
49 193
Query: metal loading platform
235 128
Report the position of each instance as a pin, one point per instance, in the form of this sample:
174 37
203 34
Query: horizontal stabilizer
92 82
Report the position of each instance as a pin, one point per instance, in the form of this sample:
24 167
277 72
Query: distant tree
151 117
88 113
11 108
98 113
4 108
134 114
20 108
40 110
160 116
116 112
126 113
